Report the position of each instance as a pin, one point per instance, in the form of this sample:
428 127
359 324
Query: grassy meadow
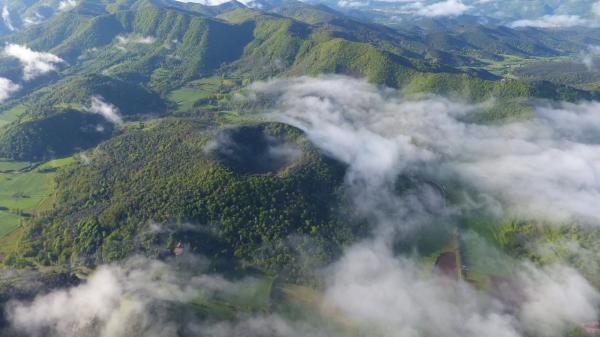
25 189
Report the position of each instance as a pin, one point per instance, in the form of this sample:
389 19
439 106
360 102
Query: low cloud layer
544 167
118 301
390 296
34 63
149 298
99 106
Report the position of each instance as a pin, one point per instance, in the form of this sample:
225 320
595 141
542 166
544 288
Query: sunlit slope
239 210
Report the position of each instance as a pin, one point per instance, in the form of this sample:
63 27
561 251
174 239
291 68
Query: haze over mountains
542 14
285 168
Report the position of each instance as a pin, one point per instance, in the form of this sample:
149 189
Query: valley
285 168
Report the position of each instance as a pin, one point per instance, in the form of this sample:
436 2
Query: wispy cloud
590 56
34 19
135 39
552 21
596 8
6 18
34 63
107 110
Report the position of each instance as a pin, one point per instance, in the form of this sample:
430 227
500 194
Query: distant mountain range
534 13
213 161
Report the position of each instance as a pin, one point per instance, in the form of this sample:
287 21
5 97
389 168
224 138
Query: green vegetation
130 99
205 93
58 135
251 294
192 161
563 71
252 217
26 190
53 122
11 115
516 240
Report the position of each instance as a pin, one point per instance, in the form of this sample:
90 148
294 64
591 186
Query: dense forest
286 168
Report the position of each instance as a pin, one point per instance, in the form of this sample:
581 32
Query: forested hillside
286 168
251 217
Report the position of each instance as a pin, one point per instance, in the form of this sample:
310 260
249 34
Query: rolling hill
142 151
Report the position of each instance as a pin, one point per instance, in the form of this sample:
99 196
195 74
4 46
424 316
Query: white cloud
149 298
545 167
36 19
249 3
552 21
596 8
391 296
369 289
107 110
122 41
590 56
444 8
6 18
351 3
525 13
211 2
117 300
7 88
545 293
135 39
34 63
66 4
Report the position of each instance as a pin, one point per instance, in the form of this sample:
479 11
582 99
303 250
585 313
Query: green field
512 63
24 189
251 294
12 114
592 86
194 91
9 165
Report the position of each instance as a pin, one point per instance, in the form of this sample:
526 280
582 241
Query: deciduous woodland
283 168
